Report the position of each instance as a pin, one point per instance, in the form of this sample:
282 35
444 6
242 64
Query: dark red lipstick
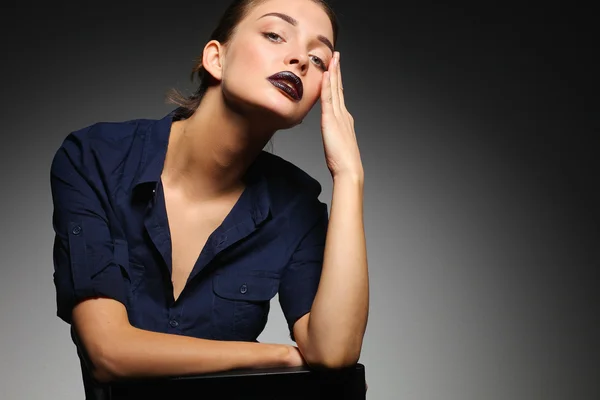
289 83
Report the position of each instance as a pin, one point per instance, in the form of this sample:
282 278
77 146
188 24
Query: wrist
357 177
287 357
349 179
280 355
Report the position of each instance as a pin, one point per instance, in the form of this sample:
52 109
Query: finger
340 84
326 100
335 90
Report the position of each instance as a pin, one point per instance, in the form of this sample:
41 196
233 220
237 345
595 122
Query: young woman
172 235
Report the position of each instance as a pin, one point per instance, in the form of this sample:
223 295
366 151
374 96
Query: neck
209 153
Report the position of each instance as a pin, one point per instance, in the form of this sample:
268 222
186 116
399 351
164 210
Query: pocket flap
245 287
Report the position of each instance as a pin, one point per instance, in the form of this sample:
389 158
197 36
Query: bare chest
190 226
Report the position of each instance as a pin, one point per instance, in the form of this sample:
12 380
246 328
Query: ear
211 59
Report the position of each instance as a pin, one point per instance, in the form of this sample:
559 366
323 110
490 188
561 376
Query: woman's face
278 36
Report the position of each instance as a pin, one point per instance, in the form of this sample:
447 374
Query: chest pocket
241 305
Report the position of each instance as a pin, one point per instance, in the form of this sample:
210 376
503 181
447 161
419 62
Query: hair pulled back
232 16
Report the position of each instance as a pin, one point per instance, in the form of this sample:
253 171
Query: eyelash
272 36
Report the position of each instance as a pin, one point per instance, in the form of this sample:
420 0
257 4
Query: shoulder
104 142
105 154
287 179
293 193
102 134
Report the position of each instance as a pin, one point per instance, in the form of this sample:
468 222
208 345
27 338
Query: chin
285 111
280 111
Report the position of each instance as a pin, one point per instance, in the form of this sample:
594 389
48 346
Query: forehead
311 16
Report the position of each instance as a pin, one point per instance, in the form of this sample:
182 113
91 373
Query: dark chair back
294 383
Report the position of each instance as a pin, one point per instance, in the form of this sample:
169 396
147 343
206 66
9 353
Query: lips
289 83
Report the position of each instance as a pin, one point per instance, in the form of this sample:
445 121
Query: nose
298 61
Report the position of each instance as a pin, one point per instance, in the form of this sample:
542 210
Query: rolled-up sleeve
84 249
302 274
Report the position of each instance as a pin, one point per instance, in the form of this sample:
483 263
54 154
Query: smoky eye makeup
319 62
273 36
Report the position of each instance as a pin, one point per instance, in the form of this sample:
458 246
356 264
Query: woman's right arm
91 292
118 350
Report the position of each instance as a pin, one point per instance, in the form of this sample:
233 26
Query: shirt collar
153 159
154 151
258 190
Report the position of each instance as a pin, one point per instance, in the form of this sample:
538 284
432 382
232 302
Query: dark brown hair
233 15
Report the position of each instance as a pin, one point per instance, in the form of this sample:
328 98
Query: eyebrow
294 22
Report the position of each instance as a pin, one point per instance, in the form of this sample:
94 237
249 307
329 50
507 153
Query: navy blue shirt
112 237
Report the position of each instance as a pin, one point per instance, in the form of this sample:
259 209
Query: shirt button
173 323
76 230
243 288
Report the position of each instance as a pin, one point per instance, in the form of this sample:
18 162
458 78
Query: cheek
248 57
315 86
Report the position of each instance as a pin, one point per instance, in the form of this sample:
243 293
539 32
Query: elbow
105 366
103 375
101 331
107 359
332 352
336 359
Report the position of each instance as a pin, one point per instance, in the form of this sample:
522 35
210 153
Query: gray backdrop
475 127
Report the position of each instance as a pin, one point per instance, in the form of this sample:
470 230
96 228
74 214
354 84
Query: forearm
339 313
138 353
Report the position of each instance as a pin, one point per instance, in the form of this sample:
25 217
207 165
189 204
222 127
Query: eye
272 36
320 63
